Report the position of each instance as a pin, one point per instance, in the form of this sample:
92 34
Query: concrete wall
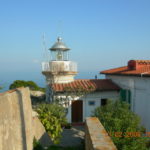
140 95
96 138
17 127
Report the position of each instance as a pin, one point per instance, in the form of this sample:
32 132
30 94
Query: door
77 111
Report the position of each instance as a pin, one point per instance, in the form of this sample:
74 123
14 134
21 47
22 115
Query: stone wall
96 138
17 124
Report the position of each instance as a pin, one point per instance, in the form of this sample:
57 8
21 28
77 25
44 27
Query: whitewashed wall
96 97
140 95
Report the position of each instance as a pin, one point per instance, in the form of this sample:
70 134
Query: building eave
133 75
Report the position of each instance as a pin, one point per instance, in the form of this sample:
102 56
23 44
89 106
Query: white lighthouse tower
59 69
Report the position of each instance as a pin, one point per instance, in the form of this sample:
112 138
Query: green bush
37 145
52 117
117 118
21 83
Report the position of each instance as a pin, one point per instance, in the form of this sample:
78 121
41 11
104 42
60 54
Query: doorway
77 111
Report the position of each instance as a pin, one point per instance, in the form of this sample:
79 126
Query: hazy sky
101 33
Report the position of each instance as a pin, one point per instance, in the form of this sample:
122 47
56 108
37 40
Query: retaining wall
96 137
18 126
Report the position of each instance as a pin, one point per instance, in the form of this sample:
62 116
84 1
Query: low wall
96 138
18 127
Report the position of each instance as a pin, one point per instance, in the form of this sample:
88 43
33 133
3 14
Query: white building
80 107
135 80
60 73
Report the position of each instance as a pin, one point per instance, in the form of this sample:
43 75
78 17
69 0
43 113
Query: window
91 103
103 102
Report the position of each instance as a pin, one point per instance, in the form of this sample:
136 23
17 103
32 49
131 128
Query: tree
21 83
122 125
52 117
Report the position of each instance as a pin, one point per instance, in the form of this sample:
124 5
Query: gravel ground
73 136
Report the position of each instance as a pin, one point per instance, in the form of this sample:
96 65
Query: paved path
73 136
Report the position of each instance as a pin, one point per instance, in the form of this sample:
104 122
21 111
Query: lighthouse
84 95
59 69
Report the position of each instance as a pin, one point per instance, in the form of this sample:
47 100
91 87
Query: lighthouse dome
59 45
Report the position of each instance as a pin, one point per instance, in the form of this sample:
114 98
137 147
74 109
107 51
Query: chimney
135 64
132 65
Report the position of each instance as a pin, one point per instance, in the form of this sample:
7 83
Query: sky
102 34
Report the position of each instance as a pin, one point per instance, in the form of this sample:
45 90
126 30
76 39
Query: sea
7 78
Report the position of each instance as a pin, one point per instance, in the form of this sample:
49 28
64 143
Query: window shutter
125 95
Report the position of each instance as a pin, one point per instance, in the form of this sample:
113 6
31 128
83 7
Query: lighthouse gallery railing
59 66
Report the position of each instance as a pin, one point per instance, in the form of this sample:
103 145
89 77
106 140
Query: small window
91 103
103 102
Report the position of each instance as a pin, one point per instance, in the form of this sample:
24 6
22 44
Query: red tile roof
134 68
90 85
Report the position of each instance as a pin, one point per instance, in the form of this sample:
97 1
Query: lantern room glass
59 55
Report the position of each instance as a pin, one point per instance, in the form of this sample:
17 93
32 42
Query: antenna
46 54
59 30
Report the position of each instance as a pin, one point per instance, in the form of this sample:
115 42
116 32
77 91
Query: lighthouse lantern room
59 51
59 69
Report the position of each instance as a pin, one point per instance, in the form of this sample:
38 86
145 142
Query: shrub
52 117
117 118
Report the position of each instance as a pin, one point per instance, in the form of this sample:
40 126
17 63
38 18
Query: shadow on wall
23 126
